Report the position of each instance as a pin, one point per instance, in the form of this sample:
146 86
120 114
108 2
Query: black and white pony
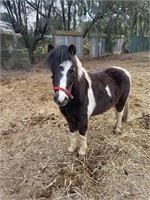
81 94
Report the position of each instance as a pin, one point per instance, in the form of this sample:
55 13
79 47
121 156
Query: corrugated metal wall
98 46
118 43
67 38
138 43
62 40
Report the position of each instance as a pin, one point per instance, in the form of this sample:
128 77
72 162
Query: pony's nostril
63 103
56 97
60 102
66 99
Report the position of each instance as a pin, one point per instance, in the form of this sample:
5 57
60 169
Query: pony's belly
103 106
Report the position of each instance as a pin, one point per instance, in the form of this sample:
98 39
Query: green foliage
5 17
86 47
92 17
126 18
110 41
15 59
13 52
40 52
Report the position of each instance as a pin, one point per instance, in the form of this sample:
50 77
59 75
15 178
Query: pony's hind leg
122 114
125 114
119 121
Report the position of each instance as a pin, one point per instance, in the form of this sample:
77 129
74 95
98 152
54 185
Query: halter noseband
67 92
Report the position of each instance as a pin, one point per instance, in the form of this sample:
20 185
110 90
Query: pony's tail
125 114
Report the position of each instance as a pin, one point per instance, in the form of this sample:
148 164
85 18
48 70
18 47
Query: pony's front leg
73 126
83 136
83 145
72 142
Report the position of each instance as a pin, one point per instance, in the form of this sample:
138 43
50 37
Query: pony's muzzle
60 98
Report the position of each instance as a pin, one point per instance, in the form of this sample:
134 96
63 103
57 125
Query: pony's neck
82 71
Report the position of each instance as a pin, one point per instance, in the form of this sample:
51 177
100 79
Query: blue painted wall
138 44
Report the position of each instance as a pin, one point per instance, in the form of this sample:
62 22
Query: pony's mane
58 55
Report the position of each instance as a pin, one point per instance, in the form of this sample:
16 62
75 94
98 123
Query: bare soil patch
34 161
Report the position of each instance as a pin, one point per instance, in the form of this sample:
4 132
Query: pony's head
62 64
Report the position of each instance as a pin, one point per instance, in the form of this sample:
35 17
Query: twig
50 184
79 194
22 183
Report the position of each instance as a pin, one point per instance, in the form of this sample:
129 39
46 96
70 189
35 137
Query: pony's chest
75 109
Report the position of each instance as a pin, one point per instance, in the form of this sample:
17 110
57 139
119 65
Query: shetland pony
81 94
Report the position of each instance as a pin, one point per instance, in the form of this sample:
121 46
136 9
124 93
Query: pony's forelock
58 55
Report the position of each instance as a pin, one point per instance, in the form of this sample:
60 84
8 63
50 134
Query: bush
15 59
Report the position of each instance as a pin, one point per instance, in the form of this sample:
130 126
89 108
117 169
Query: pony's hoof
70 149
117 130
82 152
81 157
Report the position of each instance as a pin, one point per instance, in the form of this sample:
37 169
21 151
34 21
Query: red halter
68 92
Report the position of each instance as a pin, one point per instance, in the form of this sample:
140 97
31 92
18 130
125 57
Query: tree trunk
63 14
29 47
18 12
69 15
31 55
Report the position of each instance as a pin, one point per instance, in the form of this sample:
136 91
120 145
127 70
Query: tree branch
97 17
36 8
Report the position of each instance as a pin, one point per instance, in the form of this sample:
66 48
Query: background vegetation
36 20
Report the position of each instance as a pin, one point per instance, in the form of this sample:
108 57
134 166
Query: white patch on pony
73 142
91 98
108 90
63 81
80 68
92 102
83 145
125 71
119 121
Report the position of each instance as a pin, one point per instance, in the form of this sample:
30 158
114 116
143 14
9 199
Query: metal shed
97 46
138 43
67 38
118 43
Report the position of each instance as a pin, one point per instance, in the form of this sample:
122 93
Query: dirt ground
33 157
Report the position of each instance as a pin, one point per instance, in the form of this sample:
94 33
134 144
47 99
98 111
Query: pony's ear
72 49
50 47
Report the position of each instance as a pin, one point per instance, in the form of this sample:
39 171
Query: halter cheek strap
67 92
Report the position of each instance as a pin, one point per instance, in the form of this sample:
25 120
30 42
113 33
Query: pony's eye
52 76
71 71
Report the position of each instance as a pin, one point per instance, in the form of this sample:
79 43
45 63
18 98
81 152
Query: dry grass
34 162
